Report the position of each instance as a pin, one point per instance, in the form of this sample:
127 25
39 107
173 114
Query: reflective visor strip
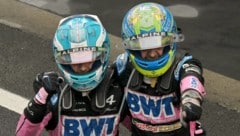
149 41
79 55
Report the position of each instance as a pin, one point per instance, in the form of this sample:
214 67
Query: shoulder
121 62
187 63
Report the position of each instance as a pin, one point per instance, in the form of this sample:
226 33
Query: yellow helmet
149 26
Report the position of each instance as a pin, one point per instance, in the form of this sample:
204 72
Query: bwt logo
150 105
92 126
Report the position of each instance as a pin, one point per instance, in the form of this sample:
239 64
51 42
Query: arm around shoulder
122 68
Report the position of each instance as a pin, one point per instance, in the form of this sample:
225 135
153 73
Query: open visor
80 55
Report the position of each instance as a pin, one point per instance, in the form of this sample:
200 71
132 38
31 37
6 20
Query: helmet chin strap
150 80
153 82
86 94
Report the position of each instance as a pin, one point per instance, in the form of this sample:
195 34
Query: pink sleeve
27 128
192 82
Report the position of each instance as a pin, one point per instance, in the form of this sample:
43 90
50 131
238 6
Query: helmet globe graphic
81 39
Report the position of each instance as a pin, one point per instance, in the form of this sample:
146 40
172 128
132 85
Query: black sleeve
124 76
35 112
122 80
192 67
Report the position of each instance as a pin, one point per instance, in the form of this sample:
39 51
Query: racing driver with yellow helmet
165 90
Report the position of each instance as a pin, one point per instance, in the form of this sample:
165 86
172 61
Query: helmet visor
144 43
80 55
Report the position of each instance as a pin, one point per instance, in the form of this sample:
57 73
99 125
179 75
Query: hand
191 112
50 81
45 85
191 106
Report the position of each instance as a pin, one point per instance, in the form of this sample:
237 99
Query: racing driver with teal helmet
165 90
88 100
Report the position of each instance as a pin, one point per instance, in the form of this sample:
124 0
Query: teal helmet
149 26
81 39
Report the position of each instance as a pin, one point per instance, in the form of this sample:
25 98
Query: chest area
153 109
91 125
78 105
